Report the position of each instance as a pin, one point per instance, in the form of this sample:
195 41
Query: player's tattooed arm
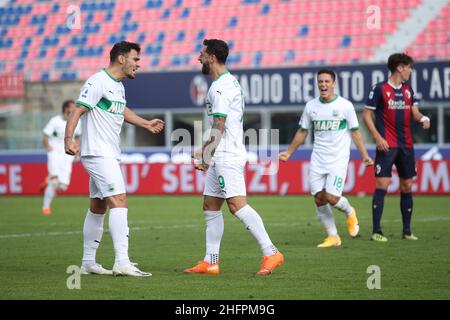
209 148
70 146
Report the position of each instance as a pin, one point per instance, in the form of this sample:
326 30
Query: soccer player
59 164
394 104
223 157
334 125
102 108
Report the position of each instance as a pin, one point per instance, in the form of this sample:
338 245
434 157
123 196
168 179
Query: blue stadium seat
42 53
165 14
206 3
201 34
198 47
61 53
289 56
185 13
154 4
178 3
161 36
55 8
155 61
19 66
62 30
45 76
233 22
180 36
250 1
24 54
303 31
141 37
127 15
27 41
40 30
265 9
257 58
345 42
108 16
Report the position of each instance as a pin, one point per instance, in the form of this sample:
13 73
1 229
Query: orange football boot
269 263
204 267
46 211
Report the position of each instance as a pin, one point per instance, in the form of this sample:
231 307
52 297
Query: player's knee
118 201
320 201
333 200
97 206
406 186
54 182
62 187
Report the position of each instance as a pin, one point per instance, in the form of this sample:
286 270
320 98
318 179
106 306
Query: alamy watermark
263 146
73 20
374 280
74 280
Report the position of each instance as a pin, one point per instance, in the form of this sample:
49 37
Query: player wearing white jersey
59 164
334 123
102 108
223 158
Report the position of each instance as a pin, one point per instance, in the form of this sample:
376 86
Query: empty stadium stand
68 40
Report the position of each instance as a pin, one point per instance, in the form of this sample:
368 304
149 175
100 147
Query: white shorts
59 165
105 176
332 181
225 180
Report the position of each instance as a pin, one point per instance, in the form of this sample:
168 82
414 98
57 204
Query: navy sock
377 209
406 207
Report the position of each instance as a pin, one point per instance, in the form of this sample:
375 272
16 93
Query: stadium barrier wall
291 178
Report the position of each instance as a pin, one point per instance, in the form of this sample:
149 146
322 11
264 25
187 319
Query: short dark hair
217 47
122 48
397 59
327 71
66 104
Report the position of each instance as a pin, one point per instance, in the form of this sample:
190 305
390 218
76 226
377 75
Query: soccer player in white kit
223 158
102 108
334 124
59 164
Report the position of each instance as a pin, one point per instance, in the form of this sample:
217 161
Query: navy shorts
402 158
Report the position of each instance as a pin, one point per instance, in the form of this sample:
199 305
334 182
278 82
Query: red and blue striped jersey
392 108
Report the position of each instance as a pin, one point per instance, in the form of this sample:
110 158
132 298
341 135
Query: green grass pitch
167 235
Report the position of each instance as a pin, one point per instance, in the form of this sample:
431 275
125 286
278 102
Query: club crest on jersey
408 94
335 113
388 94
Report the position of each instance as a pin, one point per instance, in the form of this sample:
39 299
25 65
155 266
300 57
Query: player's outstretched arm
359 143
299 138
70 146
419 117
153 126
381 143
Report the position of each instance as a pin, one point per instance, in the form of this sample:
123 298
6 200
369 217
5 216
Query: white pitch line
179 226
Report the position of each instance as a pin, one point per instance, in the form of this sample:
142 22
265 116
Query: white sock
255 225
344 206
49 194
214 232
118 227
92 235
325 215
